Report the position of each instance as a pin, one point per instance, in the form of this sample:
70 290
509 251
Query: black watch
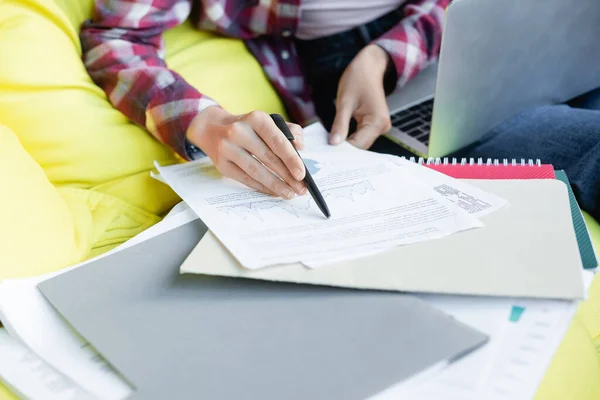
192 151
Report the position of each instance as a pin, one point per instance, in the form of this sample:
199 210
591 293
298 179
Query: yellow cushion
45 227
574 373
63 120
67 125
24 245
6 394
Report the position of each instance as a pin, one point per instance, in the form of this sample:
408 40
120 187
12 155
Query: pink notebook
513 169
490 169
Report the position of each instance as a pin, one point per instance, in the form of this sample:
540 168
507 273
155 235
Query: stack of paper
30 377
377 202
41 357
524 335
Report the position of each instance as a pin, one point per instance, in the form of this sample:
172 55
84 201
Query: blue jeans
568 137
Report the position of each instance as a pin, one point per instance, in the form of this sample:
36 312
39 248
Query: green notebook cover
586 249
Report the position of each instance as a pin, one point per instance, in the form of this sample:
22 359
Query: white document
30 377
28 317
374 204
468 197
524 336
511 365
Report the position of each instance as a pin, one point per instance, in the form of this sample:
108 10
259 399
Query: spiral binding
471 161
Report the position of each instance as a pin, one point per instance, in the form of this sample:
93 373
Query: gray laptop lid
194 336
501 57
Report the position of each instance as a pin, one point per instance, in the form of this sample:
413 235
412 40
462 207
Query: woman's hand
361 95
251 149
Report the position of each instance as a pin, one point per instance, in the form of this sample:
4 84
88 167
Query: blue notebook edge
584 241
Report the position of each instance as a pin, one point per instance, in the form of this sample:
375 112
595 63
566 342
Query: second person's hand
250 149
361 95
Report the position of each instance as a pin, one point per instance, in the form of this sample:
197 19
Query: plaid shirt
124 54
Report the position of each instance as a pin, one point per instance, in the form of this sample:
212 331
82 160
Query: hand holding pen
251 149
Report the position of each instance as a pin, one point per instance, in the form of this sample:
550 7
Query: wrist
202 122
385 66
377 57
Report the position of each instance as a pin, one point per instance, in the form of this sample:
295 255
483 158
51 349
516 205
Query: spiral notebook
518 169
489 169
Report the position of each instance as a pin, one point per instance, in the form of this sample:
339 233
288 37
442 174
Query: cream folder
525 249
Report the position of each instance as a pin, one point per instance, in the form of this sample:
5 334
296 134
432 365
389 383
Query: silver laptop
498 58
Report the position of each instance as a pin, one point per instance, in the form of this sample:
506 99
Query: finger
264 126
260 173
255 146
365 136
234 172
298 135
341 123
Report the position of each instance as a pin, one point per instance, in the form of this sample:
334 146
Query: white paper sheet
468 197
373 203
471 199
524 336
316 138
30 377
56 344
511 366
28 317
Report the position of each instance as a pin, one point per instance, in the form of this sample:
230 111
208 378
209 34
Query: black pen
308 180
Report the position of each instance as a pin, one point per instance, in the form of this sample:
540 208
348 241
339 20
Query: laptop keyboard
415 121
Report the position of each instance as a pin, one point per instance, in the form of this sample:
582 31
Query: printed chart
263 209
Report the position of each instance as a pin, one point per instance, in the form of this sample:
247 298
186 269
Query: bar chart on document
372 201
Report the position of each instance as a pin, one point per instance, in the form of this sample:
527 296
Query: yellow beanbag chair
74 171
86 148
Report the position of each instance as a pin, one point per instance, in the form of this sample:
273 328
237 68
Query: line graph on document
298 206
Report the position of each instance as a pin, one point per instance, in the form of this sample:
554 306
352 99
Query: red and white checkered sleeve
416 40
123 52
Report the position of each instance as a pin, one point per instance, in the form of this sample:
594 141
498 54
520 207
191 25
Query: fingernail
336 139
303 191
298 173
288 193
299 188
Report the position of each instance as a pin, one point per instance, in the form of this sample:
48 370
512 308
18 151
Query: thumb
341 123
